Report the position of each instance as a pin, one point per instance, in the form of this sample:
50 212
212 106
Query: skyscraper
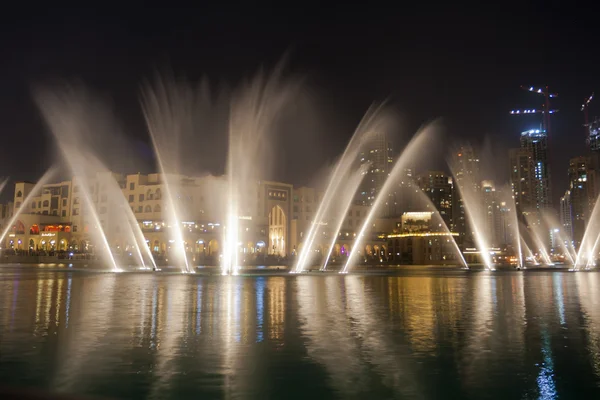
467 176
566 214
536 142
521 179
581 194
378 155
491 208
437 185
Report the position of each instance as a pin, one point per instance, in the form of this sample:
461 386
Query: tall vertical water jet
254 112
412 149
347 196
374 120
73 118
514 218
35 191
169 109
586 253
473 206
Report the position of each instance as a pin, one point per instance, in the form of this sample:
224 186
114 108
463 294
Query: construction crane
545 108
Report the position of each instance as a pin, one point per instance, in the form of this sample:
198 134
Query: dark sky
463 66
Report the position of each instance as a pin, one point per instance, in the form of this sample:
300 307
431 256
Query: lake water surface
417 334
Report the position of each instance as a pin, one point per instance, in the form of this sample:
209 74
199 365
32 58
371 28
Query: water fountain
347 195
412 149
473 210
586 255
254 111
375 120
35 191
514 224
75 119
430 206
538 230
527 250
565 242
169 108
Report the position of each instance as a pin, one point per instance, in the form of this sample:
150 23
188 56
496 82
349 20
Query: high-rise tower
378 154
535 141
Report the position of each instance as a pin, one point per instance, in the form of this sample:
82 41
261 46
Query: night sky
463 66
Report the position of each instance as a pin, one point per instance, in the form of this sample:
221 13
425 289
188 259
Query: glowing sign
50 234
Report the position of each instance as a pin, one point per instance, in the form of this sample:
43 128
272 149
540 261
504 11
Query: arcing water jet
373 121
34 192
409 151
348 195
587 251
473 211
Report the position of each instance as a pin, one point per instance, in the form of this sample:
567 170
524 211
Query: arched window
46 203
149 194
148 209
34 230
157 208
33 204
19 194
76 200
157 194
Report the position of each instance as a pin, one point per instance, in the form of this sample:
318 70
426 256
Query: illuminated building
58 218
566 213
535 141
491 206
581 190
421 239
437 185
378 155
467 175
522 179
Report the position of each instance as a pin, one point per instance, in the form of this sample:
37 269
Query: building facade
377 155
535 141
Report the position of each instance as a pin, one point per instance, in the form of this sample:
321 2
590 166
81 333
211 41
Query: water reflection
419 335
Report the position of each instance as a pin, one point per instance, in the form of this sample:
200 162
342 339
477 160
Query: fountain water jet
123 212
169 109
3 184
475 215
75 119
564 242
373 121
589 242
254 110
515 223
34 191
348 194
527 249
538 241
423 197
409 151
